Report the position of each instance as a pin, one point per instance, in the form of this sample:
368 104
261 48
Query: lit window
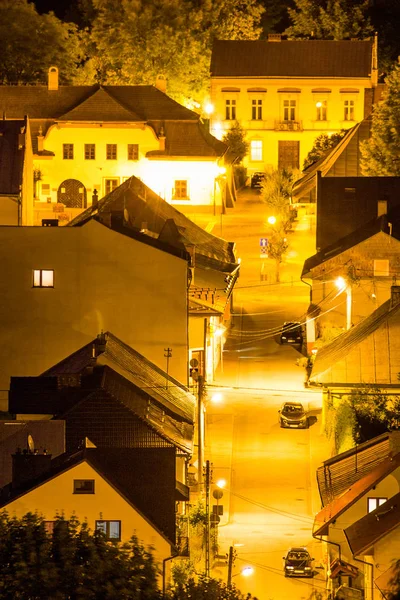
83 486
256 150
90 151
230 110
181 190
49 527
349 110
111 529
289 110
256 110
68 151
133 151
321 110
111 151
374 503
381 268
110 184
43 278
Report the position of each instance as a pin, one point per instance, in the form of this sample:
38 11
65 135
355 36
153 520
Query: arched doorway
72 193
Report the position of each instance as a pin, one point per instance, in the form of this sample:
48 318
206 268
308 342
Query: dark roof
132 102
337 474
381 224
135 368
189 139
137 204
12 152
338 349
144 477
305 58
365 532
340 504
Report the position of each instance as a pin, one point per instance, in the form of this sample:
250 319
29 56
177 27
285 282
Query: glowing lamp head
221 170
271 220
209 108
318 104
247 571
340 283
221 483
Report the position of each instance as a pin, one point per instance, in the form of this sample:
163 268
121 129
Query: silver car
293 415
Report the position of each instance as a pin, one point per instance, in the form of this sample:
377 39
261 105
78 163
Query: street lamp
342 286
271 220
209 108
246 571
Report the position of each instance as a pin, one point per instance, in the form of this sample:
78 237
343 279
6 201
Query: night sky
59 7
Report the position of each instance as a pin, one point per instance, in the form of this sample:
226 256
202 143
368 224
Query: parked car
257 179
291 333
292 414
298 563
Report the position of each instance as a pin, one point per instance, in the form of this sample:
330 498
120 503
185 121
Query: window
83 486
230 110
381 268
256 150
256 110
374 503
180 191
111 151
43 278
68 151
133 151
289 110
90 151
111 529
348 110
321 110
110 184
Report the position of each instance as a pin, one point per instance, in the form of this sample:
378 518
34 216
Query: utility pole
200 429
167 355
208 476
231 559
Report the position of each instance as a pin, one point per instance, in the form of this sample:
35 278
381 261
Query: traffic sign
263 242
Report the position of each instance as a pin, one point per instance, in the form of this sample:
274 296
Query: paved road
270 496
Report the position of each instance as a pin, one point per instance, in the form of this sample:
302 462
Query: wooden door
288 154
72 193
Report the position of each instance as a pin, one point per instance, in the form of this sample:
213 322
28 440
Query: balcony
288 126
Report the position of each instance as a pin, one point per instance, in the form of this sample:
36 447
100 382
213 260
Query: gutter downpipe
333 544
165 560
372 574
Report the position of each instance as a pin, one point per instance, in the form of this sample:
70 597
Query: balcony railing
288 125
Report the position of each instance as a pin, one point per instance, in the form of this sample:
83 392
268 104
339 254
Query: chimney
161 138
53 78
40 139
27 465
95 200
394 296
161 83
274 37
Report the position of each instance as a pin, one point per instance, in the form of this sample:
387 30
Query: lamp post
345 286
246 571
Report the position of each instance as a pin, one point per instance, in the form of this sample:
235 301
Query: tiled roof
334 509
100 106
145 102
336 351
189 139
305 58
143 205
365 532
144 477
11 156
145 375
381 224
337 474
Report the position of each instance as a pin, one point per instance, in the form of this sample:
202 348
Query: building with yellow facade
93 138
286 93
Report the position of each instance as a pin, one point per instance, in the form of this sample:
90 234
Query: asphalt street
270 496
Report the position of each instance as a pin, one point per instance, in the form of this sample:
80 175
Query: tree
381 153
70 562
322 144
277 247
276 192
30 43
337 19
235 139
208 589
138 40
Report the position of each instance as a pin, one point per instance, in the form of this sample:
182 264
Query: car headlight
307 569
290 568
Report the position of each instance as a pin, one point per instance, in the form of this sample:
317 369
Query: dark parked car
292 333
292 414
298 563
257 179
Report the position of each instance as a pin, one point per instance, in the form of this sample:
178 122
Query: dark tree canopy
322 144
235 139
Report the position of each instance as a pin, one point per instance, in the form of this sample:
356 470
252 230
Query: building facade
286 93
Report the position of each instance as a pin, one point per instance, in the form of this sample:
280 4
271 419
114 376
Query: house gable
100 107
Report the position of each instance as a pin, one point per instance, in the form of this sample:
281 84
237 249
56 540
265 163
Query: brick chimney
274 37
161 83
394 296
27 465
53 78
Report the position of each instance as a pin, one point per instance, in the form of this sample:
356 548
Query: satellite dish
31 445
